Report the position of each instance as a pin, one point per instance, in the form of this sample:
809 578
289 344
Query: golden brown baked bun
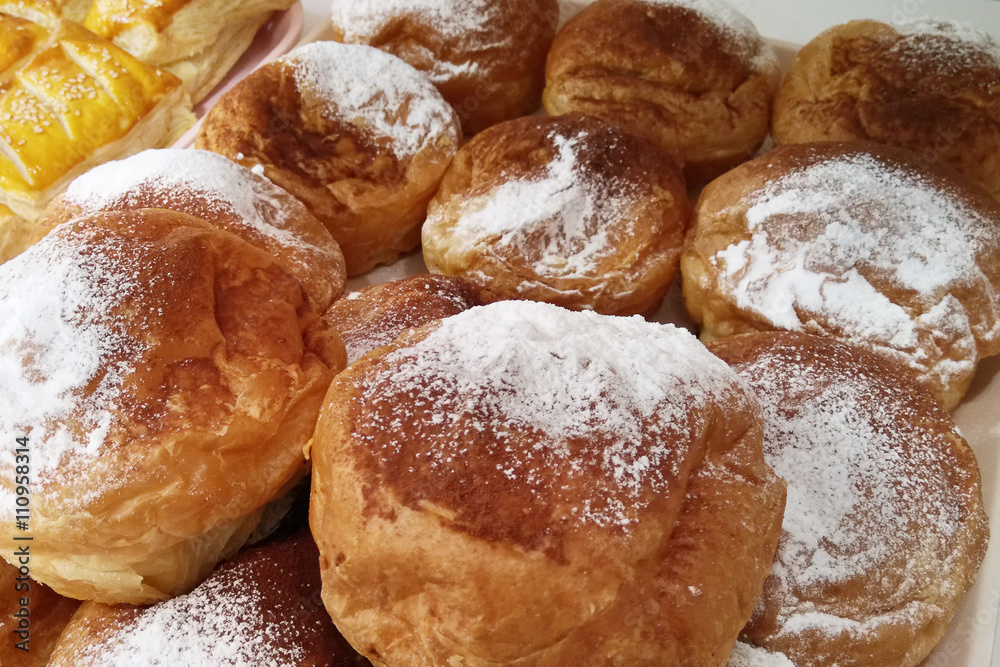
864 243
487 57
263 607
211 187
884 528
70 100
167 384
376 315
32 615
927 86
567 210
358 135
16 234
197 40
692 76
523 484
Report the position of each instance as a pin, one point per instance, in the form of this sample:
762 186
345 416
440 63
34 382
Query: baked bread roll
199 41
864 243
260 608
567 210
358 135
16 234
70 100
487 57
884 529
376 315
523 484
692 76
166 383
32 615
929 86
209 186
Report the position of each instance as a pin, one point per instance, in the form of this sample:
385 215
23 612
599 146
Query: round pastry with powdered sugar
884 528
524 484
376 315
261 608
228 195
930 86
487 57
165 380
859 242
359 136
569 210
692 76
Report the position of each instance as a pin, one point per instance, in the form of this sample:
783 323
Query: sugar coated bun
692 76
487 57
523 484
232 197
864 243
930 86
376 315
569 210
166 384
260 608
358 135
32 615
198 40
884 529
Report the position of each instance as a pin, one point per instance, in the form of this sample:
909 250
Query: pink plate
275 38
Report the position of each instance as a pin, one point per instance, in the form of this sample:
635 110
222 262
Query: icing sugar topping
869 485
747 655
518 367
385 96
736 27
63 352
569 211
177 175
951 46
864 225
212 625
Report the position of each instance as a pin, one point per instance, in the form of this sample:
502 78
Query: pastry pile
238 457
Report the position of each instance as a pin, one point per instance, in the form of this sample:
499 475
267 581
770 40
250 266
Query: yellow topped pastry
77 100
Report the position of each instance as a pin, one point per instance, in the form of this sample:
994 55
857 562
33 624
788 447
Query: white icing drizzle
570 208
872 222
377 92
179 175
521 366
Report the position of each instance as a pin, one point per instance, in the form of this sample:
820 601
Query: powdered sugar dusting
176 176
519 367
212 625
378 92
467 26
746 655
568 210
62 353
870 486
949 46
865 225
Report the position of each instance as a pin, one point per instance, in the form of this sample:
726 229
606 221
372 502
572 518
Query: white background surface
971 638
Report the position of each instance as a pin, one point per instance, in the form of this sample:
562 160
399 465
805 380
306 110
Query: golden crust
567 210
369 193
444 541
76 101
862 242
39 629
867 81
259 607
487 57
700 90
16 234
231 197
849 586
376 315
193 388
